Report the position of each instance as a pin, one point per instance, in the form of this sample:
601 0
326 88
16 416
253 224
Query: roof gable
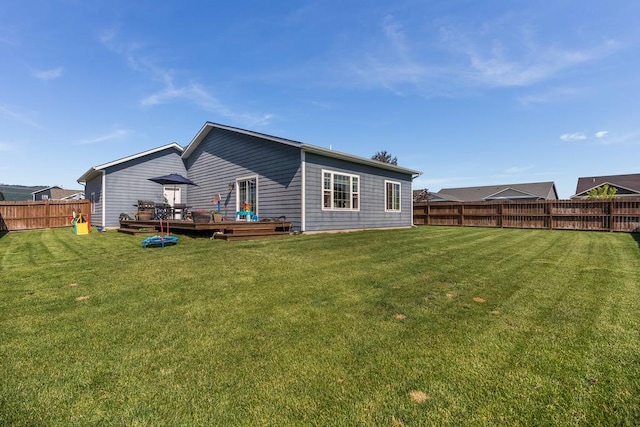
309 148
540 190
631 183
94 171
510 193
46 189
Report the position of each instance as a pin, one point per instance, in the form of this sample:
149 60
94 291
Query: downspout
303 200
104 199
412 178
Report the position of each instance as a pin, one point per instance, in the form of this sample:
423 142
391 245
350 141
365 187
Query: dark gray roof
626 184
526 191
209 126
428 196
57 193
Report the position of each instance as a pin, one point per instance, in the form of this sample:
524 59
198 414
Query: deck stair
135 229
250 231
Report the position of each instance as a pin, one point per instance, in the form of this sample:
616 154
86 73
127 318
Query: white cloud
517 169
6 147
551 96
465 58
18 117
117 134
47 74
576 136
602 134
170 90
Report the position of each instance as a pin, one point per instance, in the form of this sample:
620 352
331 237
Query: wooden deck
226 230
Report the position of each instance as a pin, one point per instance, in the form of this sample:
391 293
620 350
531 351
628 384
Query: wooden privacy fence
621 214
27 215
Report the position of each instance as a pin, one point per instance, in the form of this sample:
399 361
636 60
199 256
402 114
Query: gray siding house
488 193
57 193
116 187
625 185
315 188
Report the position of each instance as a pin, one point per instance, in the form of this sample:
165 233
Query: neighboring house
526 191
57 193
626 185
317 189
116 187
428 196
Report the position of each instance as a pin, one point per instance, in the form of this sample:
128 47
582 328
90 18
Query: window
340 191
392 196
93 203
247 193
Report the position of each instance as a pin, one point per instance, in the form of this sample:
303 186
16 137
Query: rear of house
243 167
344 194
315 188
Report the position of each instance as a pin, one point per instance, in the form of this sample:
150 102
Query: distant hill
19 192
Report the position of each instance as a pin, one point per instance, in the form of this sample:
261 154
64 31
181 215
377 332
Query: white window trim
399 184
93 203
247 178
351 175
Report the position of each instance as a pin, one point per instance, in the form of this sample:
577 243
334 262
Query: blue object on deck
159 241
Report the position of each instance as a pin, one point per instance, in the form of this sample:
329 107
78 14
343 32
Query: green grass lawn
424 326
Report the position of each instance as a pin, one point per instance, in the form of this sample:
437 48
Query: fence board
31 215
621 214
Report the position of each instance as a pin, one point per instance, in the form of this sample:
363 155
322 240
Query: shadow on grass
636 237
3 233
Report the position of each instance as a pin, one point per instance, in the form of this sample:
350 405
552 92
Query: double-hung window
340 191
392 196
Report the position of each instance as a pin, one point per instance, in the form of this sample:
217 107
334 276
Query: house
625 185
315 188
428 196
57 193
115 187
525 191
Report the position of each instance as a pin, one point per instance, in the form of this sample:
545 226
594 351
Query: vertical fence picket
31 215
597 215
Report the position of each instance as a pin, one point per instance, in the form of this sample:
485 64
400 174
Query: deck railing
620 214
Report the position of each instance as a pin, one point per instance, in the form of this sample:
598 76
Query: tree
384 157
602 192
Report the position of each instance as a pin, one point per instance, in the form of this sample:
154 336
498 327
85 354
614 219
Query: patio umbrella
173 179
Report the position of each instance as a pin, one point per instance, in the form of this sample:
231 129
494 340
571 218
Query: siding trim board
303 199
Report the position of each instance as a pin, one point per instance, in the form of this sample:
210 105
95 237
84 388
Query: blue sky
470 93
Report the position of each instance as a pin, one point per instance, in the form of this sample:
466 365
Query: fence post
47 214
610 215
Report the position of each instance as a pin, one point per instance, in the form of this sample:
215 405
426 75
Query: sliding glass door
247 194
